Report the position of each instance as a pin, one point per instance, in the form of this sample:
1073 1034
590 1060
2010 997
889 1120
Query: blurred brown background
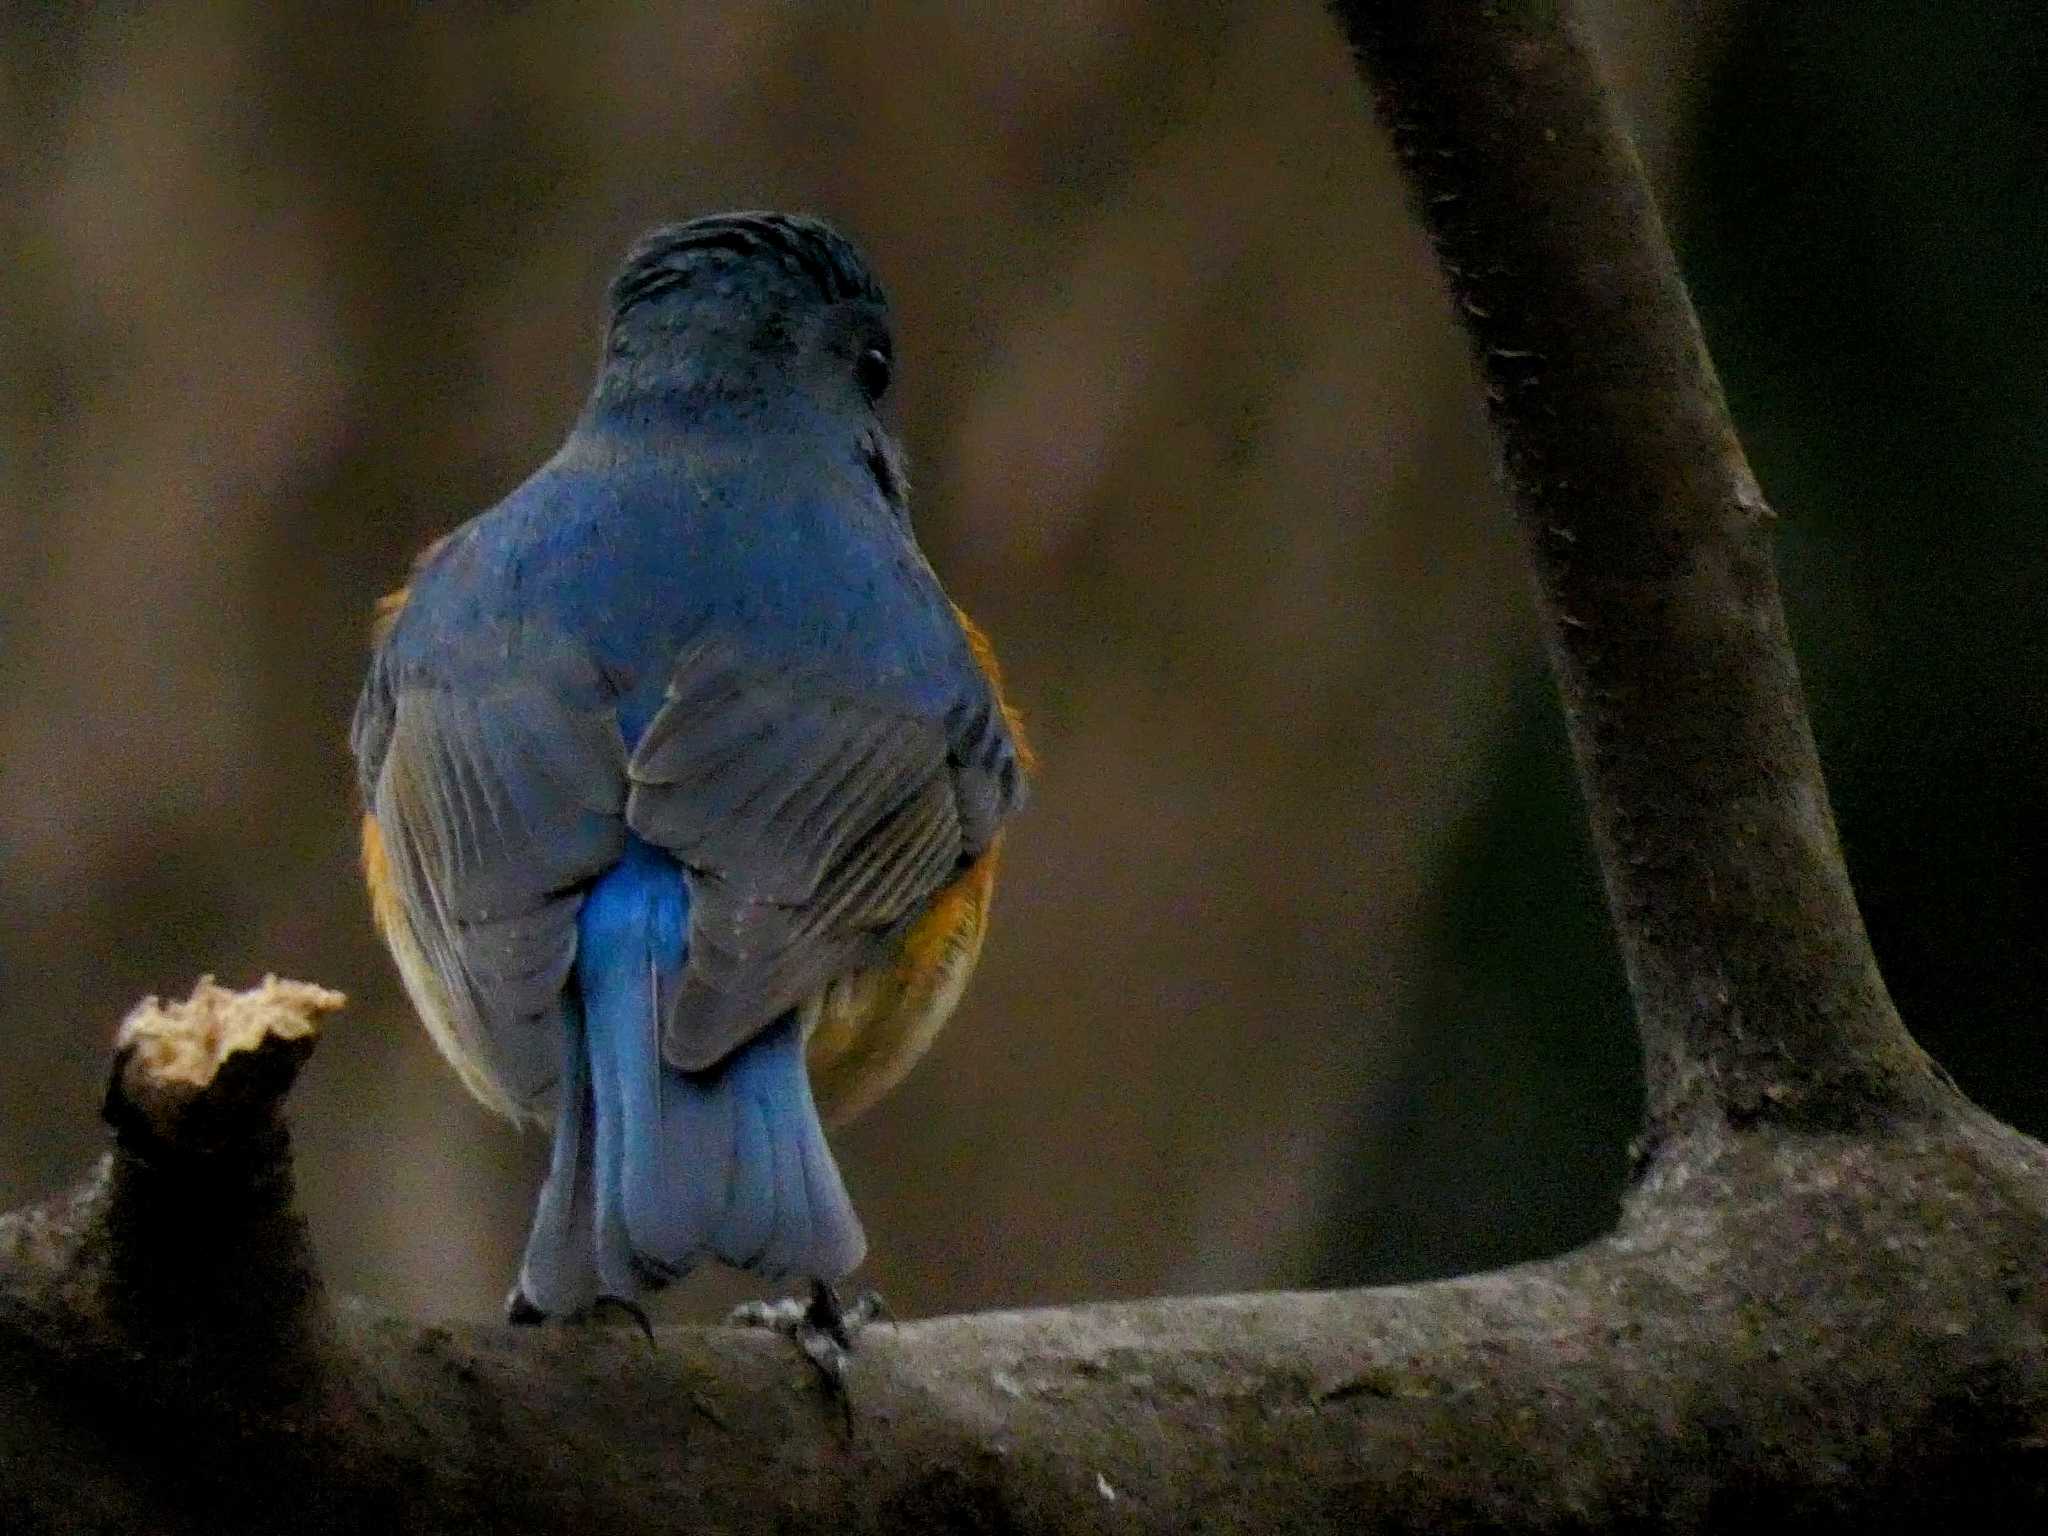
1299 973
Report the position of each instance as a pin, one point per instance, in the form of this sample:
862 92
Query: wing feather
494 809
813 820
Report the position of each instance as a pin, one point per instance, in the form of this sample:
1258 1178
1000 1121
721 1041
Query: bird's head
741 309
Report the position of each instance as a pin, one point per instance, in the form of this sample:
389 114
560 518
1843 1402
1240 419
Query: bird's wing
991 754
813 820
492 804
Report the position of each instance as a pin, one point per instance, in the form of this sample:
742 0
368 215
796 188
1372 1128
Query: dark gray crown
806 248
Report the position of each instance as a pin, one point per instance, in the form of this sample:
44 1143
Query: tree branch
1825 1300
1755 987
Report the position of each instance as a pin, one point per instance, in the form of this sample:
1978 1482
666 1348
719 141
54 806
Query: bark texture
1754 982
1825 1300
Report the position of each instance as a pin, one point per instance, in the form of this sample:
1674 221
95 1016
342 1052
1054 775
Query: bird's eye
872 369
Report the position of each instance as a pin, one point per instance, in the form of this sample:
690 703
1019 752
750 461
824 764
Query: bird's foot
633 1311
521 1312
824 1327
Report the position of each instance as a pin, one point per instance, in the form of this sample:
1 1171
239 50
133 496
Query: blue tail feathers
654 1169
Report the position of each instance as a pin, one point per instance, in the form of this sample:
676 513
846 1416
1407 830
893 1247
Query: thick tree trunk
1825 1299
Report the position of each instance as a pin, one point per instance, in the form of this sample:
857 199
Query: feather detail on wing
490 812
422 982
813 823
984 653
869 1027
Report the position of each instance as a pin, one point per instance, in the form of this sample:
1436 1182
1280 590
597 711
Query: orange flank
377 876
869 1028
985 658
389 607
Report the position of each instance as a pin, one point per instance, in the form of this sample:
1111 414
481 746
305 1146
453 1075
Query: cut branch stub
189 1233
207 1074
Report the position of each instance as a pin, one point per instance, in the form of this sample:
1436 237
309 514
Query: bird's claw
636 1313
823 1327
521 1312
867 1307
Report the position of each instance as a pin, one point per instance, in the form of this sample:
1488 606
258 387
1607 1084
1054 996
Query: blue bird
684 781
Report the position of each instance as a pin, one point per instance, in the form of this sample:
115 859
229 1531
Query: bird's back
620 553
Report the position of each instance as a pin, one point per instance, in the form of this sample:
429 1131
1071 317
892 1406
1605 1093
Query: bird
684 781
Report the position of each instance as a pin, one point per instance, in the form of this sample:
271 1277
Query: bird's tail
655 1169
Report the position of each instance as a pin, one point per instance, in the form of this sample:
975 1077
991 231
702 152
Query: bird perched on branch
685 781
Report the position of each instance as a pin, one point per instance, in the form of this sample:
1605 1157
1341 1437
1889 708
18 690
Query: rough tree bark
1824 1300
